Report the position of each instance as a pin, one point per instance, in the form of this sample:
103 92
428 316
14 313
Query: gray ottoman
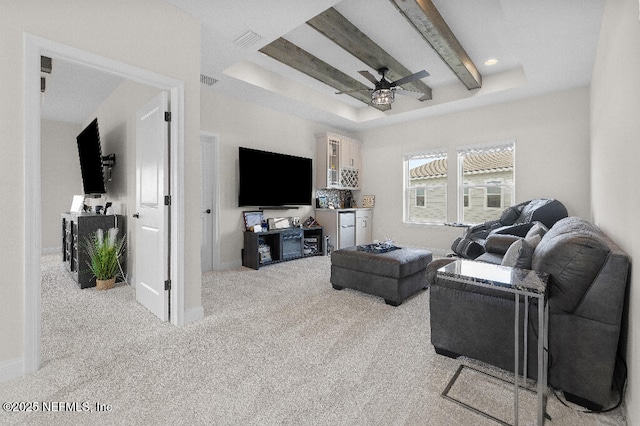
394 275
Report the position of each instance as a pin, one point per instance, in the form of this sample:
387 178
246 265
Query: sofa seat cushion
494 258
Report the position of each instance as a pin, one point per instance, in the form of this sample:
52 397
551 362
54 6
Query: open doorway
35 47
76 95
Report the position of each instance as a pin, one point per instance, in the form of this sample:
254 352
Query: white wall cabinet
350 153
339 164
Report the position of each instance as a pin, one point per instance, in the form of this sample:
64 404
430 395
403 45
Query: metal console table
521 283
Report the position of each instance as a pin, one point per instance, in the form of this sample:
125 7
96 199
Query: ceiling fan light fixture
382 96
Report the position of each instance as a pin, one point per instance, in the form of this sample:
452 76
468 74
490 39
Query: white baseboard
11 369
193 315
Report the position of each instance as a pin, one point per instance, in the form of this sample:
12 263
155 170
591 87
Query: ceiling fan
384 91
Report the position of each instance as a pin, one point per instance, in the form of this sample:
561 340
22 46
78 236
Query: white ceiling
74 91
542 46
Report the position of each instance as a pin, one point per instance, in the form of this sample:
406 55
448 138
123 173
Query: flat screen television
91 159
269 179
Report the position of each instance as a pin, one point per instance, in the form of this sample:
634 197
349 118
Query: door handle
208 211
136 215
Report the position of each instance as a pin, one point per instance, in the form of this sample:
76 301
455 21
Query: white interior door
207 207
152 215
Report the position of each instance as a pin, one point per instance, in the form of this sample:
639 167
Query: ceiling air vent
247 39
209 81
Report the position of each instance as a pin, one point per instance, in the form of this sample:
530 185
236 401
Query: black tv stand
281 245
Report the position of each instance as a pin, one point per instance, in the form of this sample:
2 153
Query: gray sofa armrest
604 301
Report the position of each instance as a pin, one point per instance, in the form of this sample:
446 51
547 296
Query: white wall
138 33
552 158
242 124
61 178
552 134
615 161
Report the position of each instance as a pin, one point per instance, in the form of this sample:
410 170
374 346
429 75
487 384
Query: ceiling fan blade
353 91
403 91
412 77
368 76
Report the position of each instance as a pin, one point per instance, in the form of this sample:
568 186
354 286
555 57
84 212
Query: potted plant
104 253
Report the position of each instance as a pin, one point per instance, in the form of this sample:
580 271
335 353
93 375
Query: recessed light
490 62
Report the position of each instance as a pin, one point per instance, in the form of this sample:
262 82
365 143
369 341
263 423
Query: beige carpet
276 346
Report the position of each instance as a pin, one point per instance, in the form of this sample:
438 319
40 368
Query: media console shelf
280 245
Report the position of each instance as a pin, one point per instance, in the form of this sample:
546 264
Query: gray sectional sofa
588 275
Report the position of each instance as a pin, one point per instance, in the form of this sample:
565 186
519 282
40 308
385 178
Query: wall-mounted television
269 179
91 159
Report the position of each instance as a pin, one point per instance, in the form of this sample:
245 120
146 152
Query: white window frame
509 144
408 188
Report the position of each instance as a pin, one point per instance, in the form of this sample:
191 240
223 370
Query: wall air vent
206 80
247 39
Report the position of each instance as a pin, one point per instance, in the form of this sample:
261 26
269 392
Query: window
425 195
493 193
420 197
486 182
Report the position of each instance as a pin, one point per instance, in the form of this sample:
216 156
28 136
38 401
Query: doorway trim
34 47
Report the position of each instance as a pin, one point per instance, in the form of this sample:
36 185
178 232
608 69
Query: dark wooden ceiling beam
289 54
341 31
426 19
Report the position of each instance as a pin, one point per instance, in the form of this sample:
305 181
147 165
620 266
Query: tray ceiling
541 47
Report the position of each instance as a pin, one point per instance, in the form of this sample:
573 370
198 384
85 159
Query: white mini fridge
347 229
